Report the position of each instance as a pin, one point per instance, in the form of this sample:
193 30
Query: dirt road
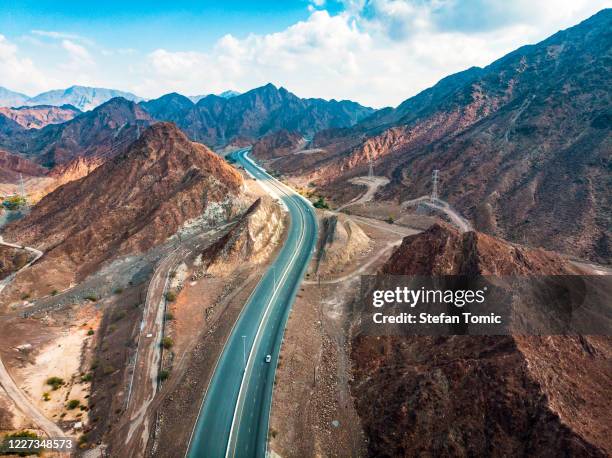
22 402
372 183
443 206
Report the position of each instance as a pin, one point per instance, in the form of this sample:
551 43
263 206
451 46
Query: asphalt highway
233 420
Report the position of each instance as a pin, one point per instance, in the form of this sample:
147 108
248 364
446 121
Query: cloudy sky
377 52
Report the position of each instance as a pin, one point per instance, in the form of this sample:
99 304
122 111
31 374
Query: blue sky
377 52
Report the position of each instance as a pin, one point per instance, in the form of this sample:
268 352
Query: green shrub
170 296
163 375
54 292
13 202
91 298
167 342
87 377
90 332
46 396
73 404
55 382
169 316
320 203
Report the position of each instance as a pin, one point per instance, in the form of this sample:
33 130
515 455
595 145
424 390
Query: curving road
234 416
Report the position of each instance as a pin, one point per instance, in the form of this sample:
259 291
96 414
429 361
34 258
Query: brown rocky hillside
131 202
481 395
523 145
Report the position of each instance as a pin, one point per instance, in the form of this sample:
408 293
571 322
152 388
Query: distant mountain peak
82 97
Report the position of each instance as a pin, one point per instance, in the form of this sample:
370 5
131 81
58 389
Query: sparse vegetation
118 291
73 404
25 296
108 369
163 375
55 382
54 292
87 377
320 203
170 296
91 298
90 332
167 343
390 220
14 202
46 396
169 316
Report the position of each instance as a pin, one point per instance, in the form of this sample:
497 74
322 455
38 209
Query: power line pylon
434 190
22 192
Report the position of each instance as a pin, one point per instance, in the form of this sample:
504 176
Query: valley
192 275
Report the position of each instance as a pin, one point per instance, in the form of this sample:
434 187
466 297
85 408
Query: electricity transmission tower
434 189
22 192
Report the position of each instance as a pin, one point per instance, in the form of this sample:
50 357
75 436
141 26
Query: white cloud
18 72
377 52
77 53
53 34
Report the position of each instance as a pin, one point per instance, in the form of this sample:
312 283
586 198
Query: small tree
73 404
167 343
55 382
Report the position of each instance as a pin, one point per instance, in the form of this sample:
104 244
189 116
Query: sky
376 52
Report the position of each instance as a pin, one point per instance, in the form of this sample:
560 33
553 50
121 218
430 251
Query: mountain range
108 129
217 121
523 145
82 97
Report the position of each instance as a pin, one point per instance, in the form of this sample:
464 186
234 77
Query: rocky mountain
217 121
103 132
12 165
522 145
481 395
130 203
82 97
224 94
38 116
10 98
277 144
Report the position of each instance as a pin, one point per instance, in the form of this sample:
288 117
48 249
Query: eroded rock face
340 241
252 239
481 396
131 202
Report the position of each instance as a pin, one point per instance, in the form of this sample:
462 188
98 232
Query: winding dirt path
21 400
